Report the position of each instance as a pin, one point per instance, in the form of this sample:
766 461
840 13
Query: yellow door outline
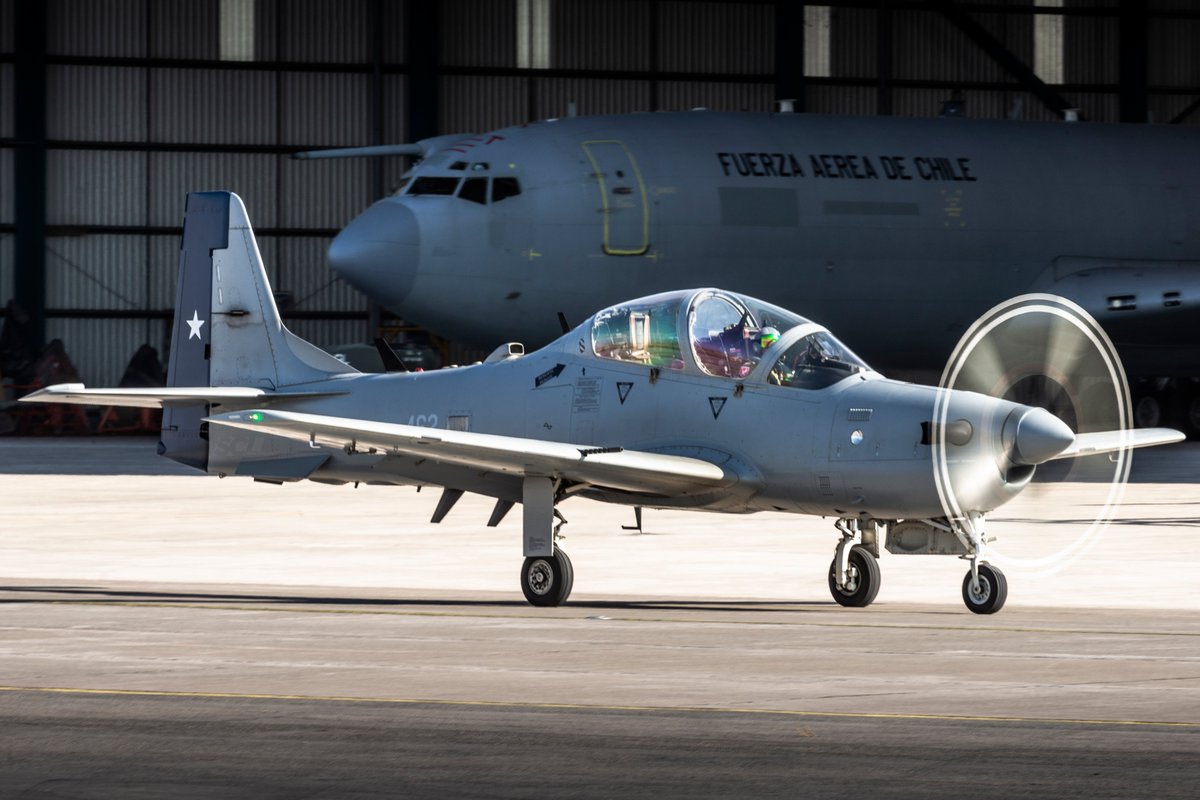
637 173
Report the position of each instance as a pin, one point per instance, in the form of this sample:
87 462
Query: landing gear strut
854 573
984 588
546 575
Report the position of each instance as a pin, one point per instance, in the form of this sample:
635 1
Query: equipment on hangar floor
701 398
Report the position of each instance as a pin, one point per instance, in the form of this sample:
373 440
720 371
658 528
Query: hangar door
622 198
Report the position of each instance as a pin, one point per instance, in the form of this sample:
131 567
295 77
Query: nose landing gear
985 592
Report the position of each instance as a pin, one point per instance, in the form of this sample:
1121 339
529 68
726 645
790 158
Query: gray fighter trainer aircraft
899 231
655 402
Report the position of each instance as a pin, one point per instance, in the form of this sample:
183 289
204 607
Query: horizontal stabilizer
161 396
362 152
1090 444
625 470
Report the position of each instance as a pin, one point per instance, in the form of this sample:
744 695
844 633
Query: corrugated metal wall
479 33
132 135
610 36
727 38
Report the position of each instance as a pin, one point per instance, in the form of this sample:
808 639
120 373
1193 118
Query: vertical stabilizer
227 329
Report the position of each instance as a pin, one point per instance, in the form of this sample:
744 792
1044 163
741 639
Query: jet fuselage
898 232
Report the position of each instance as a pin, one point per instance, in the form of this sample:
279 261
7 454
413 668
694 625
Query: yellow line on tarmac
414 701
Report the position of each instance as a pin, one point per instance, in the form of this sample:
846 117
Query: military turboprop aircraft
911 228
652 402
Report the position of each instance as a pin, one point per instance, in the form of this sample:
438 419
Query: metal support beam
422 32
883 58
1187 112
1001 55
1134 106
789 52
29 165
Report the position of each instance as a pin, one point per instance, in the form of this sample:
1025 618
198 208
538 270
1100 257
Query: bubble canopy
723 334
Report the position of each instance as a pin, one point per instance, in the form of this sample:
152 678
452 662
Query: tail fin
227 329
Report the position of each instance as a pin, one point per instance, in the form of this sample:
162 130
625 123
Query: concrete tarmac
166 635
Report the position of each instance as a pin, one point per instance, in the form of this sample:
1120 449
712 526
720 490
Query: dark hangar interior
112 110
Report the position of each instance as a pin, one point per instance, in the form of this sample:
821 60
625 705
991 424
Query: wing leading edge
160 396
612 468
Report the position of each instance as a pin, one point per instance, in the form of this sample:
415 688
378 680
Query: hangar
111 110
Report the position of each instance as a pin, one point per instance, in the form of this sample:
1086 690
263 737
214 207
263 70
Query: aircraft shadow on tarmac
96 595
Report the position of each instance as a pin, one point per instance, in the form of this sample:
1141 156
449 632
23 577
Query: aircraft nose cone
378 252
1038 436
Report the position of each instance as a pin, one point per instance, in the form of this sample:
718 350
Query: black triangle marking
623 390
716 404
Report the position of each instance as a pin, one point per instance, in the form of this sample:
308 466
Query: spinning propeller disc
1037 350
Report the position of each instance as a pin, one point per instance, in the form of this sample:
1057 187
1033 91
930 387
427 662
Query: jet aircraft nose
1036 436
378 252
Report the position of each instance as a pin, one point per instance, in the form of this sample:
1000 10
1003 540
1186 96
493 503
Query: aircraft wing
613 468
158 396
1090 444
424 148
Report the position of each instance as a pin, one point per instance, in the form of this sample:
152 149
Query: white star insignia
194 324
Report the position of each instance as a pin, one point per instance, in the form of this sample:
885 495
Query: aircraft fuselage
897 232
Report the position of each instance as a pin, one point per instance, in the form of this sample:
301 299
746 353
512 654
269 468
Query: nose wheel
987 594
547 580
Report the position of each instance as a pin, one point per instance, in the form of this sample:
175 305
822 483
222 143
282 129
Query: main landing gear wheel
989 597
862 579
547 580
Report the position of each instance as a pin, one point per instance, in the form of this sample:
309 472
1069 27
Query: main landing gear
547 580
854 574
546 575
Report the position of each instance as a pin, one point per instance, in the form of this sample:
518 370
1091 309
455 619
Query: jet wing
1090 444
613 468
159 396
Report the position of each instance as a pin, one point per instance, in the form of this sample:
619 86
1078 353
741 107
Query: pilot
766 337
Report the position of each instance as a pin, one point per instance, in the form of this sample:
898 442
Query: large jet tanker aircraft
899 232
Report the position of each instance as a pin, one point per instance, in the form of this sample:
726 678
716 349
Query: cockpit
469 180
725 335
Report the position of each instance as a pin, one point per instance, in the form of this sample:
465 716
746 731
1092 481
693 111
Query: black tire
569 573
862 579
993 590
547 580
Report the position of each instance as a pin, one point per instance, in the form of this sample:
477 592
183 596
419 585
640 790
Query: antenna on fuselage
391 361
562 321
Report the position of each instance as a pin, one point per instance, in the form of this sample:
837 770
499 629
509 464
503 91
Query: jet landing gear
985 592
547 575
854 573
984 588
547 580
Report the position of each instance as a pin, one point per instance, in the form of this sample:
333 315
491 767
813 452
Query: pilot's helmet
767 337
